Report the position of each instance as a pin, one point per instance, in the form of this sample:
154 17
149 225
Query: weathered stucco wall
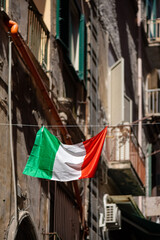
103 70
19 14
28 113
122 34
108 19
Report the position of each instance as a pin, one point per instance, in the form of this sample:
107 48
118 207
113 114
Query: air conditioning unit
111 219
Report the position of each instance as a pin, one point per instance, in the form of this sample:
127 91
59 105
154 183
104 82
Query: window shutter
82 51
127 109
147 10
154 19
154 15
3 4
62 21
117 92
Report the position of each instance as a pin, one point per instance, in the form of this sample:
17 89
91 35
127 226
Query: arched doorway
25 229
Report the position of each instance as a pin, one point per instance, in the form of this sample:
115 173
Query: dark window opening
71 32
26 230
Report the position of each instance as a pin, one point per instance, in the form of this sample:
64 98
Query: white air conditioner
111 218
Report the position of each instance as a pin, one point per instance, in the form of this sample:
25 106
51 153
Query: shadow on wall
25 103
128 49
4 101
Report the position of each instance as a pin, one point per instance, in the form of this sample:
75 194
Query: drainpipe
11 133
148 171
139 19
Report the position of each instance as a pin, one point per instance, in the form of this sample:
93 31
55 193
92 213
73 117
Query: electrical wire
78 125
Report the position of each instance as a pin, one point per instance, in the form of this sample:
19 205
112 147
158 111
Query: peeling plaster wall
19 14
103 71
108 19
122 34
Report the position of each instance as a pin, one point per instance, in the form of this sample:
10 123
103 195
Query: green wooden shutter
154 15
3 4
62 21
82 52
153 18
147 9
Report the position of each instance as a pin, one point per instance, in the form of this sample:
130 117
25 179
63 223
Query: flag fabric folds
51 159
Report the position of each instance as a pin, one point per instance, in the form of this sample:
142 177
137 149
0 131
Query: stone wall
27 117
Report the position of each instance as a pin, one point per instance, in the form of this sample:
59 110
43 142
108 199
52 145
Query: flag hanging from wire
53 160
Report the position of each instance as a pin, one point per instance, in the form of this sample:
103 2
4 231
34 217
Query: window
153 19
71 32
152 9
74 37
3 4
153 93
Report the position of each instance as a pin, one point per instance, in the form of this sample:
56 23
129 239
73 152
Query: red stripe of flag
93 148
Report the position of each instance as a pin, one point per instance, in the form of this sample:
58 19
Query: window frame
63 29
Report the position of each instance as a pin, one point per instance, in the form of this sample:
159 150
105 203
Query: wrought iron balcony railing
38 36
153 102
152 29
123 147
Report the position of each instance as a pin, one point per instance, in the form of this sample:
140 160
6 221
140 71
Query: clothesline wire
78 125
109 126
134 123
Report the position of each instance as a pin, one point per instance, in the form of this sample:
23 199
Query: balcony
125 165
152 30
153 102
38 35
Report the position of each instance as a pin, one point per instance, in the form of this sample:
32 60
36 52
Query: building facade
75 67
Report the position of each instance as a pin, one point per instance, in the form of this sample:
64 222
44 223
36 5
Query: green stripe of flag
42 157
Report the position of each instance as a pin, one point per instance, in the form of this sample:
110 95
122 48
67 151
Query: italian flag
51 159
